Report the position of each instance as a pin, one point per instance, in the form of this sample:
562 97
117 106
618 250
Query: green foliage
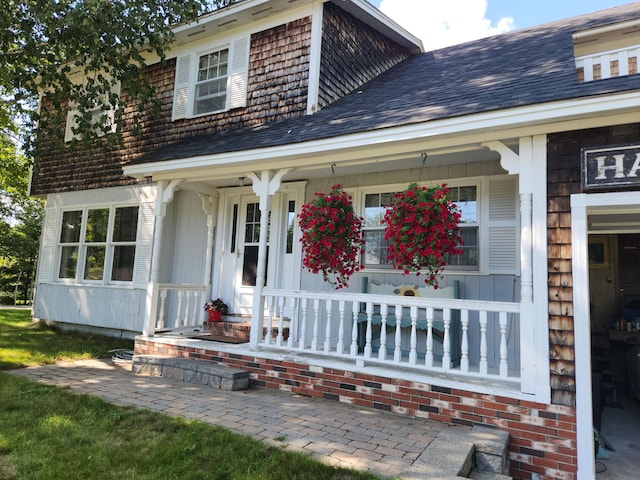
20 225
101 43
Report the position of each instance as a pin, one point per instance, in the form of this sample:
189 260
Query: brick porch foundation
542 437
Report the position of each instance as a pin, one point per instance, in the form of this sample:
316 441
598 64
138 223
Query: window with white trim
211 80
466 199
102 120
375 247
98 244
211 85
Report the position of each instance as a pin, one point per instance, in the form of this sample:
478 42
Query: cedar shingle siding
564 180
277 89
352 54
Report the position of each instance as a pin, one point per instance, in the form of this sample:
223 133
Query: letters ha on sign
610 167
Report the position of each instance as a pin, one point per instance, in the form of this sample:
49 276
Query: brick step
480 453
191 370
240 330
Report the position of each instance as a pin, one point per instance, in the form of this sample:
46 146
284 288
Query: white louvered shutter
182 88
47 248
144 246
503 226
239 73
71 122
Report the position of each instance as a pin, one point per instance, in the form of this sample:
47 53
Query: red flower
331 236
422 228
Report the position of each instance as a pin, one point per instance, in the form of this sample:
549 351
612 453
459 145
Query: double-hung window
211 80
98 244
375 247
101 121
211 85
466 199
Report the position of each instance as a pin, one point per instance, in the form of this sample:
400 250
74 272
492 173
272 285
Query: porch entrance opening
614 292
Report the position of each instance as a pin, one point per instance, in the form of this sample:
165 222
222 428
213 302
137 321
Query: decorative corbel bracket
265 186
207 202
168 190
509 160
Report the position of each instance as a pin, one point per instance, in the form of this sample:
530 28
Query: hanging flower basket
422 230
331 236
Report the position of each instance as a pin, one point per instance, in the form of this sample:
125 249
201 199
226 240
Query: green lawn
51 433
23 343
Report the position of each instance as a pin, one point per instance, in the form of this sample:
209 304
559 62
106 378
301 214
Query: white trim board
581 205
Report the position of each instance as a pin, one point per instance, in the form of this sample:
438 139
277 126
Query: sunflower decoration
407 291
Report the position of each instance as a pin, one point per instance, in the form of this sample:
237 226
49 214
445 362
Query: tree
76 52
20 224
70 54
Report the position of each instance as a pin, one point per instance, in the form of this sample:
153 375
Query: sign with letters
611 167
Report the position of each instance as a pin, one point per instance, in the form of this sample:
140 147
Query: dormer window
607 52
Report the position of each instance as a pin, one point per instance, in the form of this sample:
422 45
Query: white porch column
531 167
209 205
527 317
165 194
264 187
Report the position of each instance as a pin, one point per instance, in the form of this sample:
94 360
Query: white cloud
440 23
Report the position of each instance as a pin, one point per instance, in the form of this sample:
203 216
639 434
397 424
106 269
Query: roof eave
571 114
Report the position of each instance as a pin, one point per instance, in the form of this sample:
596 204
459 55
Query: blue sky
445 22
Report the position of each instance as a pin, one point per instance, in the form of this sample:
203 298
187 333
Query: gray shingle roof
523 67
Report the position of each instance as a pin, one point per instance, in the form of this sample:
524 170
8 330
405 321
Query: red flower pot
215 316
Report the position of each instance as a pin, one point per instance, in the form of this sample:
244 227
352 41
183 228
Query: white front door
235 270
246 268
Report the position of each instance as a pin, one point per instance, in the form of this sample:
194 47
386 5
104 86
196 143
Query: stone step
480 475
191 370
458 452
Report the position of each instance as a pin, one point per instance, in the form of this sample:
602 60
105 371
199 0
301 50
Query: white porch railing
472 338
613 63
179 305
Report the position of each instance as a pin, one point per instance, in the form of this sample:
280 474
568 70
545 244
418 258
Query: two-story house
265 102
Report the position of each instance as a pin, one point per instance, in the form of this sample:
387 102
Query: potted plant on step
216 308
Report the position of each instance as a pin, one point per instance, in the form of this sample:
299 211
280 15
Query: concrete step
191 370
459 452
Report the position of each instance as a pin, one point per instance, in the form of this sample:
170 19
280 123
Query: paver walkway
338 434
